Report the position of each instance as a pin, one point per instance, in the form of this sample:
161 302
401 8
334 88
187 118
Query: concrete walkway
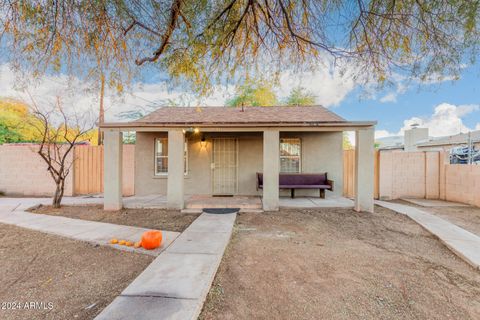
83 230
20 204
465 244
176 283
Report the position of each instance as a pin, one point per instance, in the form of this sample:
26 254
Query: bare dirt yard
334 263
67 279
171 220
467 217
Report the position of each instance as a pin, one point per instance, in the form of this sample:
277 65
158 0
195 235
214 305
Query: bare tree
58 134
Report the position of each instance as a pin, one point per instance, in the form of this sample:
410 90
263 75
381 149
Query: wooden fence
349 173
88 170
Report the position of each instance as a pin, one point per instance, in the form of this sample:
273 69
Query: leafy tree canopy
19 124
13 118
254 94
261 93
300 97
208 41
347 144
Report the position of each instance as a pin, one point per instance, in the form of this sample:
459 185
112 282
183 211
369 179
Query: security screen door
224 166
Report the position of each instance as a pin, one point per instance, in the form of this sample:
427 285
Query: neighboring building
413 137
449 142
218 151
417 139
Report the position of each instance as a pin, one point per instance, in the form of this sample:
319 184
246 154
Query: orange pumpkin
129 243
151 239
122 242
114 241
138 244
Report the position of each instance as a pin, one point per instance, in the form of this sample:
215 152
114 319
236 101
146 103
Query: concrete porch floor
246 203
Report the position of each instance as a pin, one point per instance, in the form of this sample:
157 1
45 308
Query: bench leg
322 193
292 193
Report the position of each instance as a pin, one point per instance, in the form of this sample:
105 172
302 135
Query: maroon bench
294 181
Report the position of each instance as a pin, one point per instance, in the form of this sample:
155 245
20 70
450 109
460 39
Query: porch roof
277 116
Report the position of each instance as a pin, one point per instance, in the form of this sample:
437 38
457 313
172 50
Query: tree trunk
101 115
57 197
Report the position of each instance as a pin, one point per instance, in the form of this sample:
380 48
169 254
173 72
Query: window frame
155 156
300 154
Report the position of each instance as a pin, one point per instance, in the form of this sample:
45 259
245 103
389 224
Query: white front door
224 166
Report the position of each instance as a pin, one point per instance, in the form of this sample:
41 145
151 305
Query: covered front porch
178 181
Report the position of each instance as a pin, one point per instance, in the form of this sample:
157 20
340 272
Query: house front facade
218 151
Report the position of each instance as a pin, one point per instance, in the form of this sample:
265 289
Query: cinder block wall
427 175
462 183
402 174
24 173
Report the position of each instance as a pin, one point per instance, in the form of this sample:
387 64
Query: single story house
219 151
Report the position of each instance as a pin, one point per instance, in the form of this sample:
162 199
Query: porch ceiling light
203 143
192 130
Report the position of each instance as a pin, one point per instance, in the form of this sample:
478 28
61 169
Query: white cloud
330 83
390 97
446 120
382 134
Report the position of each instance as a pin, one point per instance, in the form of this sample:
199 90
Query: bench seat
300 186
294 181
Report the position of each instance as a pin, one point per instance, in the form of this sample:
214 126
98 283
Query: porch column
271 168
364 172
112 171
175 180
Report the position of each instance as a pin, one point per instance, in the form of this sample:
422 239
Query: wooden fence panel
88 172
349 173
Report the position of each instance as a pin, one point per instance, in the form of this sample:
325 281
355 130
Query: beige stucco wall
321 151
23 172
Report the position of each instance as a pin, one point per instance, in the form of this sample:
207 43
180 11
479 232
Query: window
290 154
161 156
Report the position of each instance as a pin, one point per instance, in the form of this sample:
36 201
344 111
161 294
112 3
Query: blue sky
419 100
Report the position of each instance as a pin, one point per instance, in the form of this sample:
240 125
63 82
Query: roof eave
126 125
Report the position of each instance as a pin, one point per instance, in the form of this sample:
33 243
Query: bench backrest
305 179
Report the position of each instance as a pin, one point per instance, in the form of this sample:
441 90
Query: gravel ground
465 217
334 263
170 220
73 279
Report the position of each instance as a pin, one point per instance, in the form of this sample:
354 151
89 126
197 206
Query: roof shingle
235 115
